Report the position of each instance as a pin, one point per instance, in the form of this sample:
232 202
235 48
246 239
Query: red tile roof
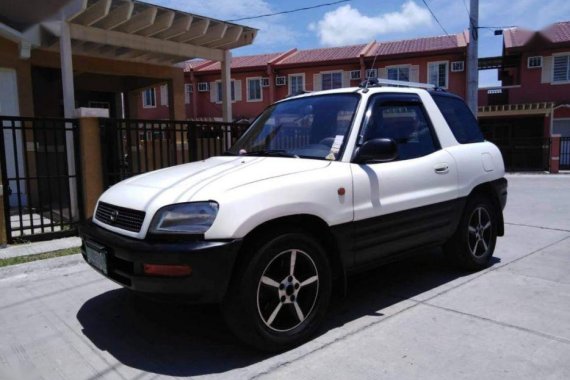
515 37
419 45
193 63
559 32
555 33
316 56
242 62
324 54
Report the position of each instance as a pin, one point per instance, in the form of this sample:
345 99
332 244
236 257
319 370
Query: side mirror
376 150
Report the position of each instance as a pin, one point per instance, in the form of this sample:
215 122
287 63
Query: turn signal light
167 270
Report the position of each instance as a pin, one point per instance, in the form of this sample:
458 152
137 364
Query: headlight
184 218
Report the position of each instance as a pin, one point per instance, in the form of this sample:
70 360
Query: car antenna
370 73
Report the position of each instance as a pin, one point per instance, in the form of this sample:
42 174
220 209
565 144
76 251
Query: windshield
308 127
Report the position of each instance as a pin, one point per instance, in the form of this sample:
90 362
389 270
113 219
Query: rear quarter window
461 121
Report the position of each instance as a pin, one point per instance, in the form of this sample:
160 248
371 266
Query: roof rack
378 82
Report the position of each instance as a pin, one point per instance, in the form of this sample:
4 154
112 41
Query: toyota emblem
114 215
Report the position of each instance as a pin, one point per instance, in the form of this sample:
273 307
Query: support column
68 110
176 96
473 57
91 163
271 76
226 86
554 154
194 96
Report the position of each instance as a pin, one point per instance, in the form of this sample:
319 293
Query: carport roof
122 29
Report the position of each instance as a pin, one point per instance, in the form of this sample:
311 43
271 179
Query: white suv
320 186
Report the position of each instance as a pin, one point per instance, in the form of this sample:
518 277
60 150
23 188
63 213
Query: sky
361 21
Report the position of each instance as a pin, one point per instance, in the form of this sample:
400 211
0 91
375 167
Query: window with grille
219 94
437 74
149 98
534 62
296 84
203 87
355 75
561 68
371 73
401 73
280 81
331 81
254 93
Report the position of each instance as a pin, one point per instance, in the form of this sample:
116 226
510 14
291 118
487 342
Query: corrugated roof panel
324 54
417 45
243 62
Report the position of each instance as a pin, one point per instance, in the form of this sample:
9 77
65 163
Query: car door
408 202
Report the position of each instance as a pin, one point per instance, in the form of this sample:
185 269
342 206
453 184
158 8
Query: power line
498 27
289 11
435 18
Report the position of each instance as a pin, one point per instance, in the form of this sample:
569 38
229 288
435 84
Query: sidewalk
39 247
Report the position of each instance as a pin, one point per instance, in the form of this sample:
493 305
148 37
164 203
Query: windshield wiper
270 152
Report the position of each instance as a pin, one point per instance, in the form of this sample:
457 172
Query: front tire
280 295
473 244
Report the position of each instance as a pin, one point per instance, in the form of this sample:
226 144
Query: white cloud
346 25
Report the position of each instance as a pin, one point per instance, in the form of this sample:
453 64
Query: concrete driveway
415 319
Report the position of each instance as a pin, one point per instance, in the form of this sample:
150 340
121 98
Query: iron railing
132 147
565 153
525 154
40 177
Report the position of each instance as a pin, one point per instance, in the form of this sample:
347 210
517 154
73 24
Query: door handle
442 168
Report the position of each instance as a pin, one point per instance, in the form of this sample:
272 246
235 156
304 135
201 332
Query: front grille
125 218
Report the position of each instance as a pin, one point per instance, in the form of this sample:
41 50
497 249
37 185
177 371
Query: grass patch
38 256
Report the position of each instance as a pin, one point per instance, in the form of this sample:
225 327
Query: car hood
203 180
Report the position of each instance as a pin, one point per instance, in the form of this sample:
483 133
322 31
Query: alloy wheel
479 232
288 290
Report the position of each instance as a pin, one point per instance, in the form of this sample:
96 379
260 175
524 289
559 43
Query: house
533 103
101 53
259 80
58 57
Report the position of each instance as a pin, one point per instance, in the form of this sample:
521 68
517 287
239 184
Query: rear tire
280 293
473 244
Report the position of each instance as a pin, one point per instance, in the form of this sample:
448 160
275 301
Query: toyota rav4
320 186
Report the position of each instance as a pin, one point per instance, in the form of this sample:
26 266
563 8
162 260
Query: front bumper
211 262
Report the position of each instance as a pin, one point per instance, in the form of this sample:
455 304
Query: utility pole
473 57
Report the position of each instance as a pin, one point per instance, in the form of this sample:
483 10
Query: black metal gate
565 153
41 179
131 147
525 154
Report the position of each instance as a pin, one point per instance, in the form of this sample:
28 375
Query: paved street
416 319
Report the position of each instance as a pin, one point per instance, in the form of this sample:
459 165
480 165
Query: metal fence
525 154
132 147
40 177
565 153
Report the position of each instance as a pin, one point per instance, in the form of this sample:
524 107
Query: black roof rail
379 82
